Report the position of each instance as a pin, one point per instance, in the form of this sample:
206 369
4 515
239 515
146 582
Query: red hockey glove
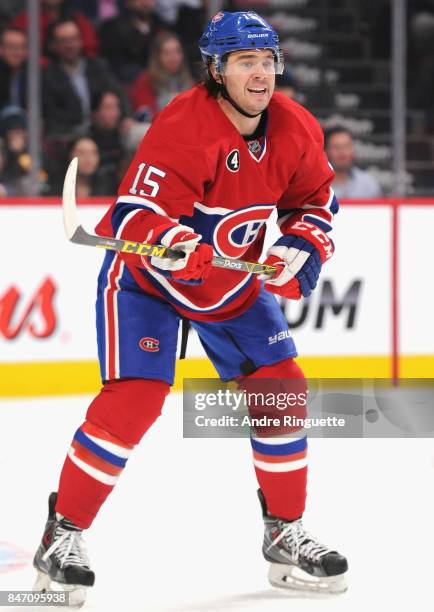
195 265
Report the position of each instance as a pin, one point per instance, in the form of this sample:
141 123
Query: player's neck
244 125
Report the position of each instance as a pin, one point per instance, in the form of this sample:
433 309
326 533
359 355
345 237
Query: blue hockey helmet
228 32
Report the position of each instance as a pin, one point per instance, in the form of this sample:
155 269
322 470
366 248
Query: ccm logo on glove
316 236
196 262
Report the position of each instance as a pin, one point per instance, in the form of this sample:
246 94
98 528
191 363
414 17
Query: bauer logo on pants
149 344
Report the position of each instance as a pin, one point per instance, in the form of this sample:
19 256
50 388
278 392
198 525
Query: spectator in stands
187 18
126 39
55 10
70 82
3 191
97 10
350 181
167 75
91 179
131 139
421 62
10 8
286 84
17 166
13 69
13 130
168 10
106 129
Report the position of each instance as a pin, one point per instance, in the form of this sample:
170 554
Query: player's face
249 77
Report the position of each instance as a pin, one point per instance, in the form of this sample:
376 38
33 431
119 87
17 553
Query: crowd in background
107 68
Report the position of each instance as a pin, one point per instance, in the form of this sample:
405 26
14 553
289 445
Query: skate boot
299 561
61 560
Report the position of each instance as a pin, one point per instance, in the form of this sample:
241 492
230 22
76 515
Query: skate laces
300 542
68 546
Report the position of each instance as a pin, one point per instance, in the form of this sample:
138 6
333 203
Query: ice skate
298 560
61 560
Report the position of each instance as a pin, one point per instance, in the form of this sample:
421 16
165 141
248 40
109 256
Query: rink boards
369 316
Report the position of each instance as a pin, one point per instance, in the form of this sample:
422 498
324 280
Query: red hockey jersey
193 167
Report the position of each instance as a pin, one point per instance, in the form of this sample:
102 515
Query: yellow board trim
32 379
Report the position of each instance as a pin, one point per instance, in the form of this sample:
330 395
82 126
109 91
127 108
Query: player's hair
211 85
336 129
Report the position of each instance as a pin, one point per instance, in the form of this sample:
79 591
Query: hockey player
213 166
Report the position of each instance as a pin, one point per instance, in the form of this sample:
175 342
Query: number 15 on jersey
144 178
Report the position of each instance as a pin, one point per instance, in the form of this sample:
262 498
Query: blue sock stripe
280 449
101 452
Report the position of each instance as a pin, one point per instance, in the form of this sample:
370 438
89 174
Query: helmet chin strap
224 92
236 106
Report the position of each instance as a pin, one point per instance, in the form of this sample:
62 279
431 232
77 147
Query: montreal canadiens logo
236 231
233 161
149 344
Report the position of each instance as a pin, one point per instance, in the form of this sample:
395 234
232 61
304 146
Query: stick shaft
77 234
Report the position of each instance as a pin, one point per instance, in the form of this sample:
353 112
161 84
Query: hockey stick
76 233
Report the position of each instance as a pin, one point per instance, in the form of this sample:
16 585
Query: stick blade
69 204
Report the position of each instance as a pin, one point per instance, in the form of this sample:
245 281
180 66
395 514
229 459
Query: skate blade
77 592
292 577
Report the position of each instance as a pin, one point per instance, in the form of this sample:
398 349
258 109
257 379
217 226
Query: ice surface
182 530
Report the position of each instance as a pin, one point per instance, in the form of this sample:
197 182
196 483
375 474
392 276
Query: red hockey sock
115 422
279 455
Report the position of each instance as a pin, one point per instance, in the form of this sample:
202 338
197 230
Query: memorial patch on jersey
233 161
236 231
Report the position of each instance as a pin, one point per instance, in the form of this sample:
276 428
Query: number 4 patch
233 161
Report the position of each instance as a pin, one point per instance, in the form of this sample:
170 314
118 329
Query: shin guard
280 453
115 422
